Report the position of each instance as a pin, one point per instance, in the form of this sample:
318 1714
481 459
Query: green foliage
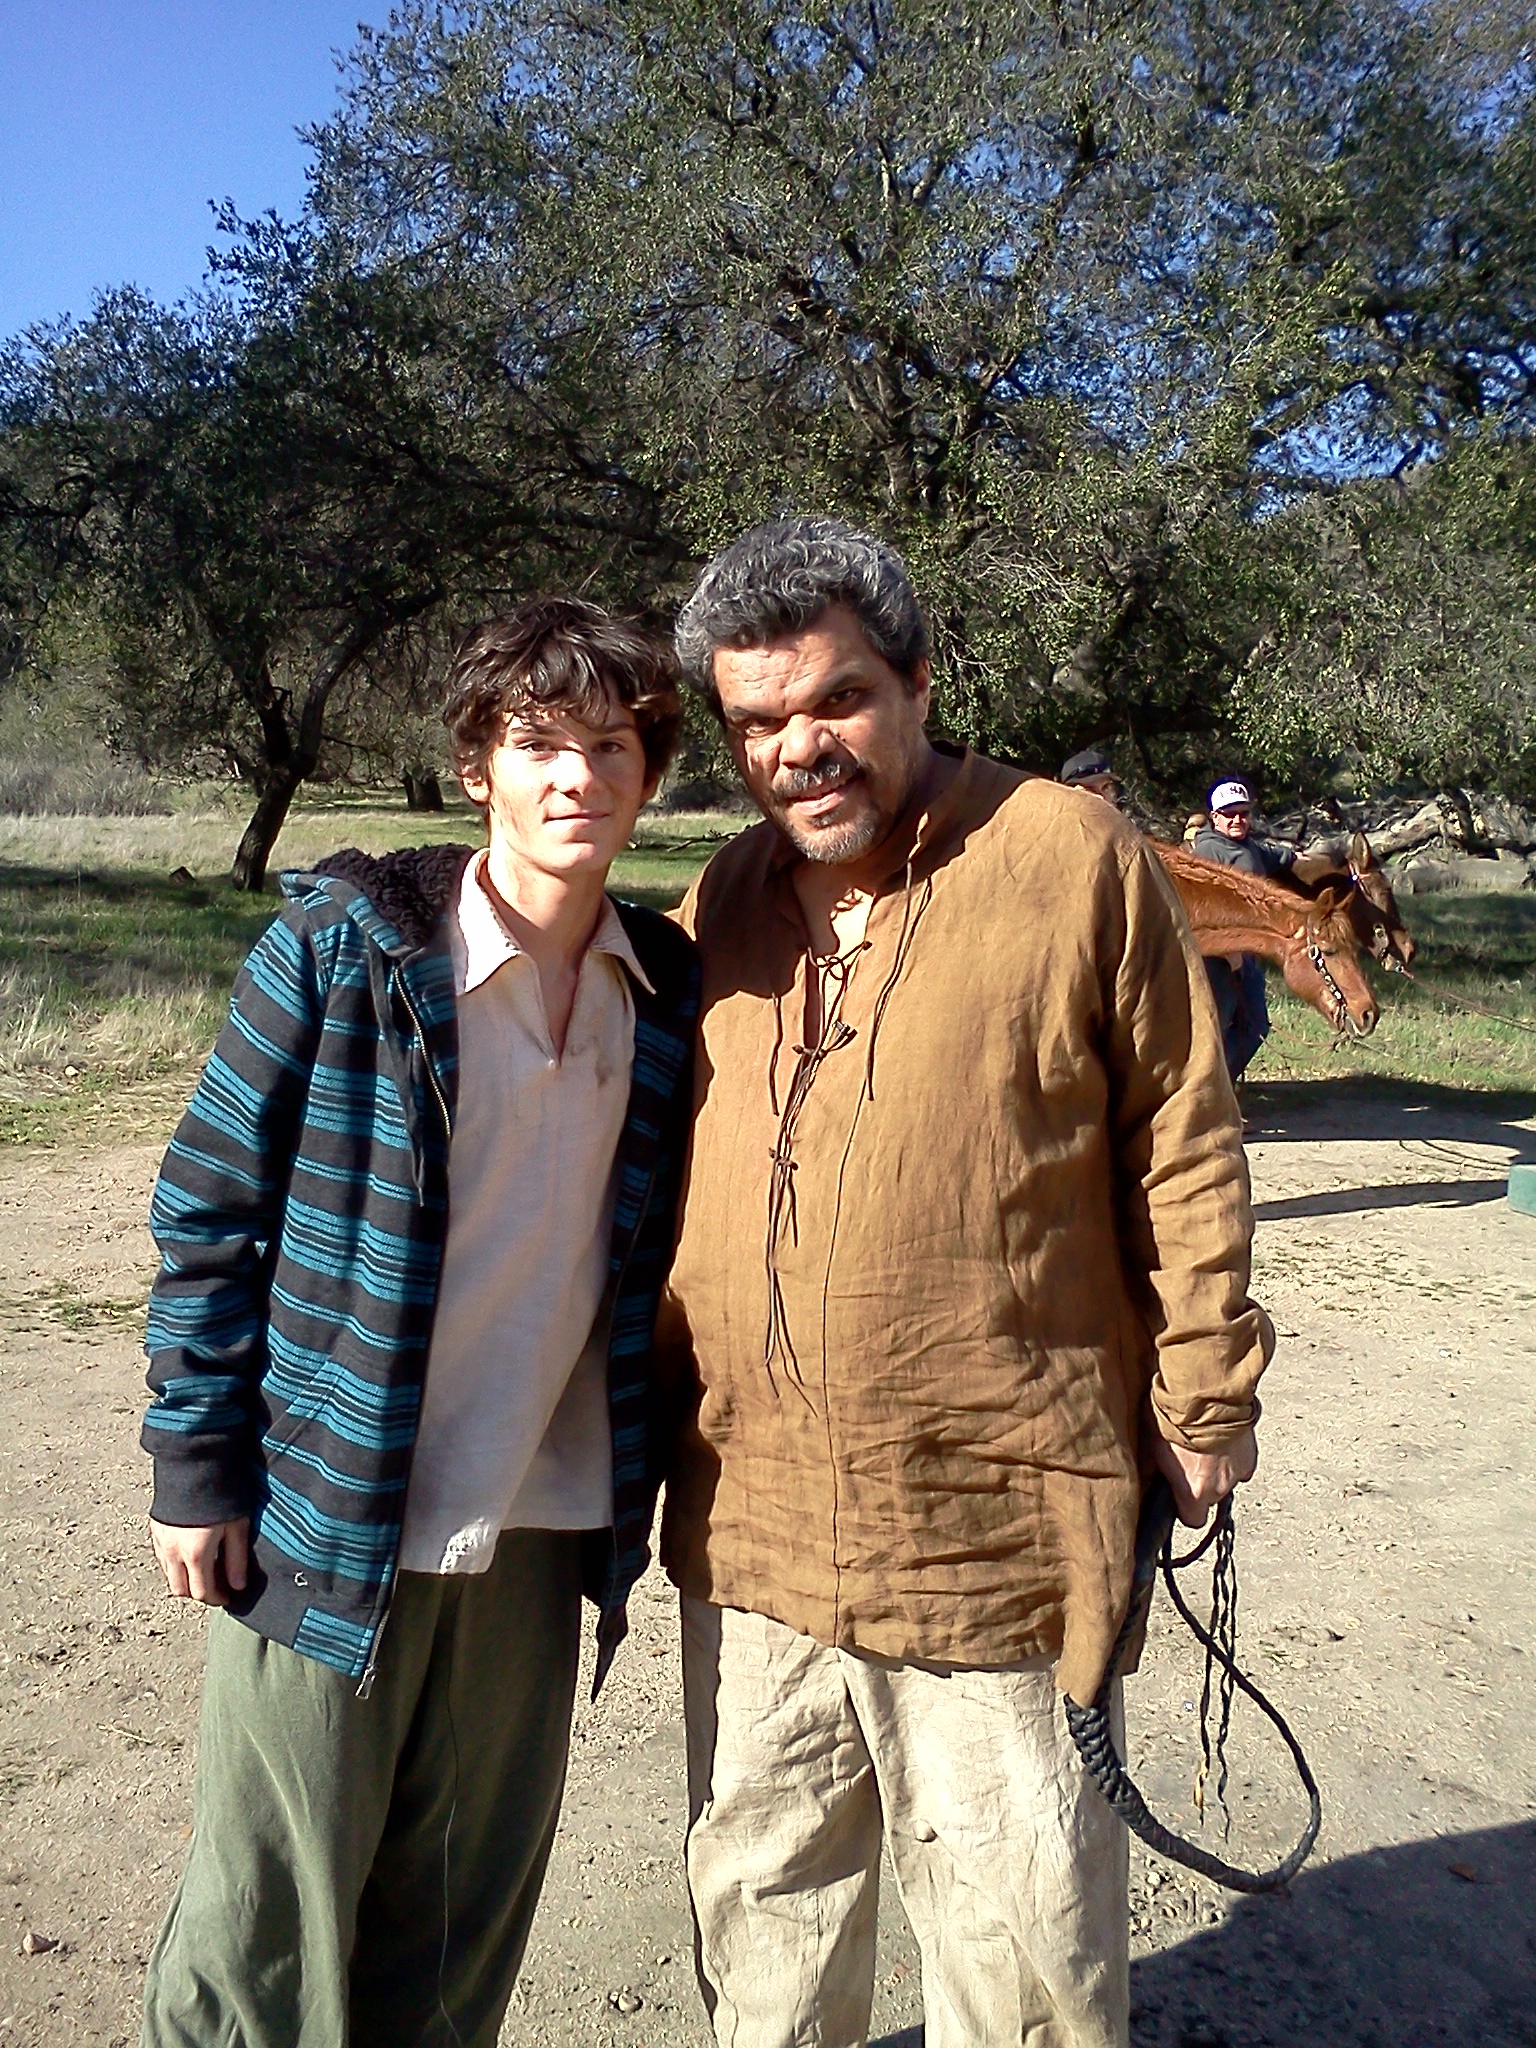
290 486
1180 346
1065 301
1403 638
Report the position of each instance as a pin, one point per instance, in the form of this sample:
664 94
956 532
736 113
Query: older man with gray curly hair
964 1259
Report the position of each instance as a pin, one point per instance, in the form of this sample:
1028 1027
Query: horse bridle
1343 1023
1324 973
1381 936
1392 962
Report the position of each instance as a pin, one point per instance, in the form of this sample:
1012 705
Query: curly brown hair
559 654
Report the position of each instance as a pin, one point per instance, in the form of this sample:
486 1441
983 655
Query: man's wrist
1204 1437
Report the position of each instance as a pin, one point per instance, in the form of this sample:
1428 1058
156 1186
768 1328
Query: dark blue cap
1084 766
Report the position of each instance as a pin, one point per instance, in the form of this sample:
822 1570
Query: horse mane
1255 913
1259 893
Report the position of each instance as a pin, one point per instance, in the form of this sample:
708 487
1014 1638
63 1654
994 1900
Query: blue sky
121 119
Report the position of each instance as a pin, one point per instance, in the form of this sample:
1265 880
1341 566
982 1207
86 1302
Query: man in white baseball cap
1238 981
1233 801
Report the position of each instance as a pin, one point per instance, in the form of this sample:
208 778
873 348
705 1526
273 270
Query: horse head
1322 966
1373 908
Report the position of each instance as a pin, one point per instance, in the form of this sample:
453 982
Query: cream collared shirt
514 1422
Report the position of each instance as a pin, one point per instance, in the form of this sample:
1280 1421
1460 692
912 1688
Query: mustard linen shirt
1010 1227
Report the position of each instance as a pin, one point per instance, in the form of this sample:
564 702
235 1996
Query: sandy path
1386 1552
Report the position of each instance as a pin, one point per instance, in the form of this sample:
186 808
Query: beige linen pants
1011 1868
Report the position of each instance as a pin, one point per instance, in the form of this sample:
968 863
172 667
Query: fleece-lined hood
407 893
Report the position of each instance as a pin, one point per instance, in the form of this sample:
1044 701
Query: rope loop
1090 1726
1448 995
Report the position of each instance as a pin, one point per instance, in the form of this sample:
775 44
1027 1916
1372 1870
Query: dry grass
202 838
107 983
113 980
126 1023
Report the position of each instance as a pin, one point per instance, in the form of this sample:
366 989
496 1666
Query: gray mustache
812 781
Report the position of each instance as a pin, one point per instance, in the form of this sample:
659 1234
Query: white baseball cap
1226 796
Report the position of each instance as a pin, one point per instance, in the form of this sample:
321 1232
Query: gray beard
838 843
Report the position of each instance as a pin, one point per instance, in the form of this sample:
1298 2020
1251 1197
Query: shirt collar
611 937
480 943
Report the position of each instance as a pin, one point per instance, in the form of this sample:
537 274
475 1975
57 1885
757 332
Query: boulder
1425 876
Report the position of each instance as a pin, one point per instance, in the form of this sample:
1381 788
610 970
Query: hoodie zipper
371 1668
426 1058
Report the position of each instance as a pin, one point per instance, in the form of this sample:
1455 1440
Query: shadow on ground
1417 1194
1368 1106
1430 1943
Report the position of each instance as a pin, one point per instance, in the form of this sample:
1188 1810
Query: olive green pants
366 1871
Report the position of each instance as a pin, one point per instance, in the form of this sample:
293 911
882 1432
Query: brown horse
1360 881
1311 940
1372 907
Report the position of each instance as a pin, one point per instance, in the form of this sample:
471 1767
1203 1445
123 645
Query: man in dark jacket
414 1227
1092 770
1238 982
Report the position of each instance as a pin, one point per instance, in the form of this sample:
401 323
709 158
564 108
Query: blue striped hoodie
300 1215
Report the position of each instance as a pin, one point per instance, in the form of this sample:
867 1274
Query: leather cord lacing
834 972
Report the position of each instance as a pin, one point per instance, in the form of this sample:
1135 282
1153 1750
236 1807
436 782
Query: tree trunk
422 792
260 835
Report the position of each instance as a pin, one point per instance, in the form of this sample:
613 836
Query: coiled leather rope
1090 1725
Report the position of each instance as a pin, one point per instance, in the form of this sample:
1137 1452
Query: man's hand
204 1564
1202 1478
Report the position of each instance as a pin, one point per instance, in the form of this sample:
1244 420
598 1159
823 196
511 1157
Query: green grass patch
659 869
1480 948
114 979
63 1306
108 983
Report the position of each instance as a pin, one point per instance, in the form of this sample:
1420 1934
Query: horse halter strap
1324 972
1381 936
1319 960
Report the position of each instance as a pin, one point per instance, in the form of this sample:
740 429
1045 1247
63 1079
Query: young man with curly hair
414 1226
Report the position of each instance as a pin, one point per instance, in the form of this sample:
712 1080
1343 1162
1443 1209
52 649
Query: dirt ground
1386 1559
